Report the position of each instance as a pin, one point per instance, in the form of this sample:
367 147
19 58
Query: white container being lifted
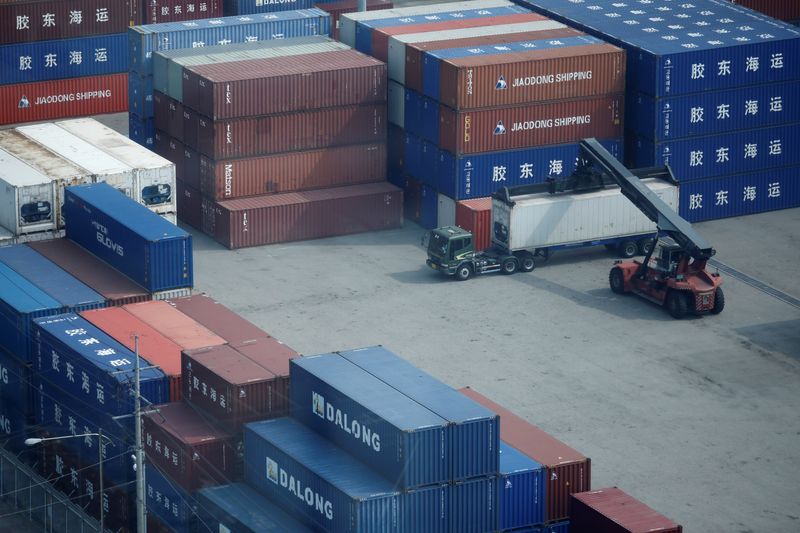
27 197
154 176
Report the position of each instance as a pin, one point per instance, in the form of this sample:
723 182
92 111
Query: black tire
463 272
719 302
616 280
628 249
677 304
509 266
526 263
645 245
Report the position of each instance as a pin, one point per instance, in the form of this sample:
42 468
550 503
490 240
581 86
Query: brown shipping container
299 216
168 115
613 511
337 9
189 203
272 354
783 9
288 132
191 162
475 216
568 471
174 325
190 127
153 346
187 448
113 286
533 76
229 387
293 171
220 320
284 84
415 51
172 150
506 128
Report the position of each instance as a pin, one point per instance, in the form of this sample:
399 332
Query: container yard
216 312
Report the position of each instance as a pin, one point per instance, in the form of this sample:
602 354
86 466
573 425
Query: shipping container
520 489
26 21
412 199
14 428
174 325
140 95
473 505
190 135
395 152
293 171
475 216
421 116
506 128
238 507
134 334
189 205
73 97
274 355
270 134
133 239
154 176
337 9
718 155
567 471
27 197
21 302
143 41
181 443
15 386
235 329
165 109
172 150
789 10
60 285
376 424
142 131
428 207
249 7
613 511
446 211
304 215
397 105
295 83
739 195
558 527
747 48
167 501
231 388
162 11
473 439
712 112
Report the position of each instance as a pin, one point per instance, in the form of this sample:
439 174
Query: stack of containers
338 8
788 11
712 91
145 40
63 59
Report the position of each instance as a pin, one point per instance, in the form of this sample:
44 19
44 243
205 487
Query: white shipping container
542 220
397 104
447 211
27 197
154 176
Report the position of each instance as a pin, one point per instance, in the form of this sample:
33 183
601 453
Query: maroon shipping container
186 447
24 20
613 511
172 150
113 286
158 11
337 9
506 128
271 134
191 163
168 115
299 216
73 97
475 216
231 388
293 171
533 76
779 9
273 355
235 329
189 128
415 51
174 325
295 83
189 204
568 471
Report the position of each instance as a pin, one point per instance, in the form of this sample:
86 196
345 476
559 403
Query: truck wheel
677 304
509 266
616 279
719 301
526 263
628 249
463 272
645 245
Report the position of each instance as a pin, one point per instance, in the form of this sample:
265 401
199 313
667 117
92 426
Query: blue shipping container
521 489
15 383
128 236
140 95
57 283
142 131
558 527
474 441
719 155
712 112
743 194
63 58
237 507
20 302
249 7
421 116
378 425
474 505
428 207
144 40
168 501
675 47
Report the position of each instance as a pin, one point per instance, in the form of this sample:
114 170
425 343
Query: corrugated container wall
140 95
249 7
190 204
789 10
475 216
162 11
142 131
473 505
613 511
27 197
521 490
167 501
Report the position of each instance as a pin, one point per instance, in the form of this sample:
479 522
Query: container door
155 189
447 211
36 208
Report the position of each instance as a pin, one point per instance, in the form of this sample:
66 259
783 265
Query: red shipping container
73 97
510 127
25 20
273 355
613 511
158 11
116 288
189 203
235 329
272 134
293 171
568 471
172 150
304 215
779 9
153 346
296 83
337 9
475 216
174 325
168 115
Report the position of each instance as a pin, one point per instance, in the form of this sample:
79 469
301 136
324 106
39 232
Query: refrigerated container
27 197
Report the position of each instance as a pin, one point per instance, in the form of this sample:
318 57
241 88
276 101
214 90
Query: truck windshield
438 245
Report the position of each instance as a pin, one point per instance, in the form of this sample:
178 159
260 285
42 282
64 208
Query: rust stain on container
174 325
475 216
614 511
